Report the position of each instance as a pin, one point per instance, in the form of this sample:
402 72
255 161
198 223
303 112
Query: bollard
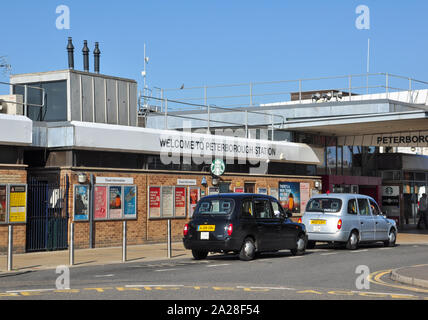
169 238
124 242
71 248
10 249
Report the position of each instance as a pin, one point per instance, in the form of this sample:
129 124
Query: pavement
412 275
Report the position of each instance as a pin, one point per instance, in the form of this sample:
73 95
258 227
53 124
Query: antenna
4 66
368 64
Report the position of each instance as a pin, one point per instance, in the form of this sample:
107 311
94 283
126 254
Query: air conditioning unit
12 104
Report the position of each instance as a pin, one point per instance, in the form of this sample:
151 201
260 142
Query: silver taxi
347 218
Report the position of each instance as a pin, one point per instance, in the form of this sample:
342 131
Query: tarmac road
325 273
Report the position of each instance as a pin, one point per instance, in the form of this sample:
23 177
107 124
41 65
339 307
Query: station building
80 146
72 151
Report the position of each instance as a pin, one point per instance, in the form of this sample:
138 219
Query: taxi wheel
199 254
352 243
392 238
248 250
300 246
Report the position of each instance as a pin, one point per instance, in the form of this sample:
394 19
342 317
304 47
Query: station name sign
400 139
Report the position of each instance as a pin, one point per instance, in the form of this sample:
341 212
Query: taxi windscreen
215 206
326 205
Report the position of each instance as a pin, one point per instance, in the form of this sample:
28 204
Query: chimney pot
97 54
70 50
85 51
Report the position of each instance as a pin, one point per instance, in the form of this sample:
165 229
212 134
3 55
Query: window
277 209
216 206
262 209
375 209
247 209
326 205
363 206
352 206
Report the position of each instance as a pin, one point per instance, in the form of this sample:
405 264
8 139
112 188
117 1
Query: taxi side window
352 206
262 209
247 209
363 205
277 209
375 208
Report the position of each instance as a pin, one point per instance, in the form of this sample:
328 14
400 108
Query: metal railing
26 103
258 93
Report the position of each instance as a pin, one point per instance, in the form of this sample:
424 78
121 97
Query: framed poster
154 202
115 202
213 190
81 202
167 202
180 202
305 195
273 192
194 197
3 204
100 202
289 196
262 191
239 190
130 202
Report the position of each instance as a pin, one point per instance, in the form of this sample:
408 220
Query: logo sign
218 167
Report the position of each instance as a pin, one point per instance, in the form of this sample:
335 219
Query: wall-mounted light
215 181
81 177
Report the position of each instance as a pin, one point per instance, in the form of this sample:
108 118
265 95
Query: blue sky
223 41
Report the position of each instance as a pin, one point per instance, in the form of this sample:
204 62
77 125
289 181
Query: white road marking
164 270
30 290
266 288
218 265
358 251
328 254
104 275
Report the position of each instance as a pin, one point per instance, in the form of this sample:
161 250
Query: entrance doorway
250 187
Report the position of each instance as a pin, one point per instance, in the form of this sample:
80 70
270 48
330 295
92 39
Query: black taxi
245 224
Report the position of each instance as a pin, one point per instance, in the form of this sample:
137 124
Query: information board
17 203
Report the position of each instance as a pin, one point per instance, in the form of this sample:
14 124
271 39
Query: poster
100 202
273 192
180 201
3 204
167 202
194 196
154 202
239 190
115 202
213 190
81 202
130 199
304 195
289 196
262 191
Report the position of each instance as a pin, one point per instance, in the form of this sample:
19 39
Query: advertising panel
194 196
81 202
115 202
154 202
305 195
289 196
130 205
180 202
167 202
3 204
100 202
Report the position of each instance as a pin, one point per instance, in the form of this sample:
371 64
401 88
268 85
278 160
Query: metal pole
71 248
205 96
300 91
25 100
246 124
166 114
251 94
209 115
10 249
169 238
387 86
350 88
91 212
124 242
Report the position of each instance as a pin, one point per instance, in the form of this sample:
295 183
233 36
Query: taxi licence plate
318 222
206 228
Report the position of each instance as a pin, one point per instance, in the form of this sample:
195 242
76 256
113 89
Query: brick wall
144 230
13 174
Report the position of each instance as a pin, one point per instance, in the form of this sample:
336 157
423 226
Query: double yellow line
375 278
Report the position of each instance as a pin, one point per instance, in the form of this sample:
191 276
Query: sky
203 42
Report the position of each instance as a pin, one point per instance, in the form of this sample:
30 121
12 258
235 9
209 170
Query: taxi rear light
229 229
300 220
339 224
186 229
